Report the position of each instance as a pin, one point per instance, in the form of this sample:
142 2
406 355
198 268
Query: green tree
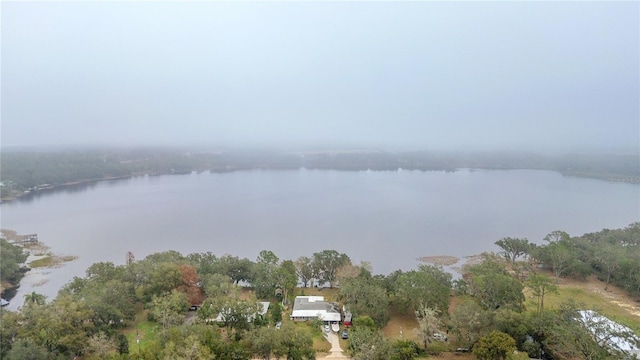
101 346
25 349
326 264
205 263
108 292
62 327
428 324
558 256
404 350
364 321
264 274
275 312
104 271
122 344
630 271
11 256
368 344
286 279
164 277
512 248
34 299
217 285
189 348
492 286
470 322
264 342
494 346
11 324
557 236
297 343
428 286
168 308
113 302
365 295
304 270
608 258
235 268
514 323
541 285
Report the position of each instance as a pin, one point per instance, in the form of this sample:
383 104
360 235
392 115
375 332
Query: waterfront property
314 307
225 314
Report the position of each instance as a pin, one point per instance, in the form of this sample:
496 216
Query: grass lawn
592 294
586 298
401 325
142 329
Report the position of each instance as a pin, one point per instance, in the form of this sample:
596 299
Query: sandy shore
36 276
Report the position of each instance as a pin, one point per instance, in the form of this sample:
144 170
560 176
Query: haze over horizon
532 76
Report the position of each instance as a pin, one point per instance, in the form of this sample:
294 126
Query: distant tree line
489 315
34 170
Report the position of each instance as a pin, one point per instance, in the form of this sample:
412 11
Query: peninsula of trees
498 309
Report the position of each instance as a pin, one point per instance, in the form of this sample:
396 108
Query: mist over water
387 218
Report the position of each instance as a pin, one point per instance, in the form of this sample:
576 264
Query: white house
264 307
314 307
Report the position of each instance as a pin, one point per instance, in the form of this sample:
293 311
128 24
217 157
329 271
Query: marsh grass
44 262
51 261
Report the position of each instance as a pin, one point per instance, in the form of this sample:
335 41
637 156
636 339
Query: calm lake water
387 218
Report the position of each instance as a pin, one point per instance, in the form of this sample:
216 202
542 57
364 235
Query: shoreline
611 178
38 265
52 188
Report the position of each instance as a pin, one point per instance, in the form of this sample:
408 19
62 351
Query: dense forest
499 311
28 171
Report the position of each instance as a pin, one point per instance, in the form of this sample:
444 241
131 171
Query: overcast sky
419 75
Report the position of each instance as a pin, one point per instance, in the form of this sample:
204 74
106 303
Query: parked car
193 307
345 334
278 324
440 337
326 328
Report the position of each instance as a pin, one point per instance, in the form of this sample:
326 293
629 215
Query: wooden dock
29 238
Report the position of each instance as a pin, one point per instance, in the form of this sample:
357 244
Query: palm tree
34 298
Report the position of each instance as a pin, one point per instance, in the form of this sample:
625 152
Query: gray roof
315 306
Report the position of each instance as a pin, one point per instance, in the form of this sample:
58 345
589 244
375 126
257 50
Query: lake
386 218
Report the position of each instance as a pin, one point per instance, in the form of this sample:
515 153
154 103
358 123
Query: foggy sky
426 75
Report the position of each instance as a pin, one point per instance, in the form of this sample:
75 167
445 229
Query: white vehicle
440 337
